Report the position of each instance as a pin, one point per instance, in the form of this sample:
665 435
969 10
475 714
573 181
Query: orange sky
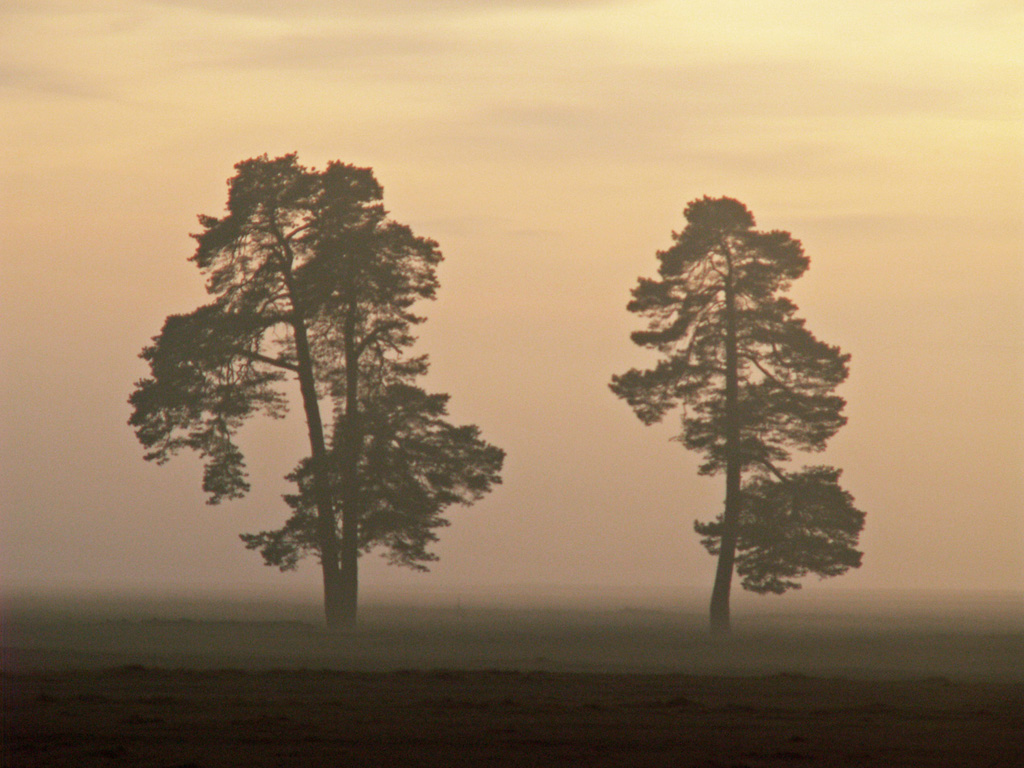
550 148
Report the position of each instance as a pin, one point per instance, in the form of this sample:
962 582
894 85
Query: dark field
547 687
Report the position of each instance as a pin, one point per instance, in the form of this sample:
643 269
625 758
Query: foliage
264 260
788 528
414 464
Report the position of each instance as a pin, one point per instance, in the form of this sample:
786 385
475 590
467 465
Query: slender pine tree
754 383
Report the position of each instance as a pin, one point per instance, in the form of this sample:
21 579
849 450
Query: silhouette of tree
753 383
310 278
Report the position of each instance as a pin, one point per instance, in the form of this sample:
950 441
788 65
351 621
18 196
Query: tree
310 278
754 382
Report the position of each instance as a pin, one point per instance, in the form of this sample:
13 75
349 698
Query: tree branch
770 376
774 470
271 361
296 231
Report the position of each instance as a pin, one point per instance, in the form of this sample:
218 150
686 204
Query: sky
550 148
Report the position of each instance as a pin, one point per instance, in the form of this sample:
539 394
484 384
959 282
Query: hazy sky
550 148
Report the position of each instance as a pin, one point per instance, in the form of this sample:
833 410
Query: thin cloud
697 113
374 53
807 89
42 83
381 8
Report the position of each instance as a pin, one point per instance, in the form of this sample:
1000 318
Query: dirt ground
138 716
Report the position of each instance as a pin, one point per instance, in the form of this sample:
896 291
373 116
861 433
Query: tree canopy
310 278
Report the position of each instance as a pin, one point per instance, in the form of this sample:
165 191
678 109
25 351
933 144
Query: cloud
809 89
42 83
376 53
756 115
377 8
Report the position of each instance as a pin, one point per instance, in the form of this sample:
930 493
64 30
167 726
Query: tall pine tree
311 279
754 383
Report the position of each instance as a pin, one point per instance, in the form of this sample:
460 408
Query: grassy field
180 683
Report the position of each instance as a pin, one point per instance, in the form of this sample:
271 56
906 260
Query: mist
549 149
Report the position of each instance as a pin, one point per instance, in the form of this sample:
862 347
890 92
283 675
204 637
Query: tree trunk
334 613
349 599
350 511
720 625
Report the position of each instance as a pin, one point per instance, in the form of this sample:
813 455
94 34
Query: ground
506 689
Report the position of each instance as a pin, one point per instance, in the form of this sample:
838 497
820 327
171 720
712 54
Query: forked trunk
350 501
348 602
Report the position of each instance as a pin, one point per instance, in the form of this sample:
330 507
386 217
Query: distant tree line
310 279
